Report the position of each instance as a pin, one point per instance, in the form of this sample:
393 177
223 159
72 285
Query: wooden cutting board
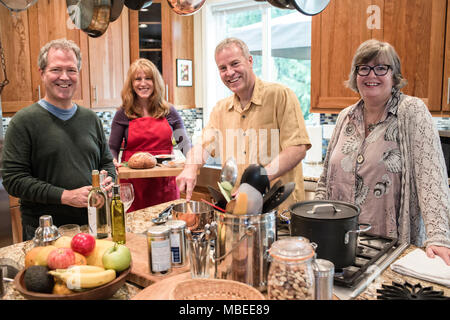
140 271
127 173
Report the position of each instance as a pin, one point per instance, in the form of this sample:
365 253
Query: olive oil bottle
117 217
98 209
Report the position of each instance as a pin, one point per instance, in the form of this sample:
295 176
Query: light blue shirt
63 114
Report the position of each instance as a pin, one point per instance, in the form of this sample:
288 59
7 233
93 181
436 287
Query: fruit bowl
100 293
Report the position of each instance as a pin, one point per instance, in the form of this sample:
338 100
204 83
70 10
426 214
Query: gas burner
408 291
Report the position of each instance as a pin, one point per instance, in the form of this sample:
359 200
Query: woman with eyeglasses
385 156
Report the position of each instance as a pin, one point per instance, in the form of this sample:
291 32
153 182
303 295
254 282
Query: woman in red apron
146 122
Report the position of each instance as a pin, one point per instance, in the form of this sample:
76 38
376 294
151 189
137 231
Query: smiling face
236 70
60 77
142 85
375 88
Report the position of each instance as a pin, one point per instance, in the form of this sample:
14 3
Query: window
278 39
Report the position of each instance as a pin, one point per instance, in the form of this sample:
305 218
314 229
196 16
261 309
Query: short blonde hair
62 44
379 51
158 107
233 41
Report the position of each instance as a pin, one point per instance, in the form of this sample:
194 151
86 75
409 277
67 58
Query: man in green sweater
52 146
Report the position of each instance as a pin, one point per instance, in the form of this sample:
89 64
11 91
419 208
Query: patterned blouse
366 171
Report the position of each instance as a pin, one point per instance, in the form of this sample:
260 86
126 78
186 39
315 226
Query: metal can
177 242
158 241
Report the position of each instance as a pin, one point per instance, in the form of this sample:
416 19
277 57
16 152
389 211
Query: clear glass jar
291 276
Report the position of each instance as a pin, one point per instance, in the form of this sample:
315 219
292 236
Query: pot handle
326 207
284 217
248 232
347 234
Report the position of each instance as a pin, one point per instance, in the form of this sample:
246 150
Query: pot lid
292 249
325 209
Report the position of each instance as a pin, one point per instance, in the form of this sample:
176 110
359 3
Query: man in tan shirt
260 123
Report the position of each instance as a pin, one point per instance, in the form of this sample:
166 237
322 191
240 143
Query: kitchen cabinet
416 29
162 36
105 60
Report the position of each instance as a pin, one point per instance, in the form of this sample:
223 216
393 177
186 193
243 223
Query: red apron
155 136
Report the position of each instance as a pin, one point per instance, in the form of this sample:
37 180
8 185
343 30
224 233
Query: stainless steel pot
196 214
332 225
241 251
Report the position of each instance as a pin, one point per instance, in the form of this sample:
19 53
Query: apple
61 258
83 243
118 257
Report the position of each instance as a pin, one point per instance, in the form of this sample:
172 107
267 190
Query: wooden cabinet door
109 60
446 81
415 28
14 36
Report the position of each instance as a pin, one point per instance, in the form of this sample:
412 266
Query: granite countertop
139 221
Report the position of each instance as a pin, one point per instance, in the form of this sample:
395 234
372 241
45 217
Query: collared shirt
63 114
367 171
257 133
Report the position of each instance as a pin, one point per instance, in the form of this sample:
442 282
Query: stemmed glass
126 195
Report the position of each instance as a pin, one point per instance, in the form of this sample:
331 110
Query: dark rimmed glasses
379 69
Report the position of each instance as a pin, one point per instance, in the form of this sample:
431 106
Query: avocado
37 279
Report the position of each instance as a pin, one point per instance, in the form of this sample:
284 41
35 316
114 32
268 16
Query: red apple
83 243
61 258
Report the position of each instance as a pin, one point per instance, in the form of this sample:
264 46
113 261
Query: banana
85 269
85 280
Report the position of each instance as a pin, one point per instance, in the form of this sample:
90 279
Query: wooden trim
133 18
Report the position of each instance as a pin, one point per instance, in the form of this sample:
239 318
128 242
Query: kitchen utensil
218 197
91 16
256 176
164 157
100 293
202 214
278 196
138 4
310 7
46 234
17 5
186 7
323 277
241 247
163 215
229 171
333 225
116 9
272 190
254 198
199 259
212 205
282 4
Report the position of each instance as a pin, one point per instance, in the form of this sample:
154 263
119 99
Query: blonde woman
147 122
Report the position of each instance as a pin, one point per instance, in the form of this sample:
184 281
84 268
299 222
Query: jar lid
323 268
176 224
158 230
292 249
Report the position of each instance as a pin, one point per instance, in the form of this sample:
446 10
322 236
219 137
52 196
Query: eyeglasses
379 69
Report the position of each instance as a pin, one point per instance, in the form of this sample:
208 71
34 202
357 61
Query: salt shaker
323 277
46 234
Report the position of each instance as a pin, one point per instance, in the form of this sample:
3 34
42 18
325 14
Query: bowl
100 293
214 289
164 157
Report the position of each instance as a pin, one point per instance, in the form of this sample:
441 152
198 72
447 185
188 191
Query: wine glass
126 195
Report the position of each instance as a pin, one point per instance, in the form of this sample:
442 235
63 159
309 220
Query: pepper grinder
46 233
324 276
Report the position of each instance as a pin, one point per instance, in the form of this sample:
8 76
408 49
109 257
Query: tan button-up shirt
268 124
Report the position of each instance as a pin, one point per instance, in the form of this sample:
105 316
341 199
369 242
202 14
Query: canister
177 242
323 277
159 254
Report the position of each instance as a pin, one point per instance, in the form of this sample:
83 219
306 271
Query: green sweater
43 155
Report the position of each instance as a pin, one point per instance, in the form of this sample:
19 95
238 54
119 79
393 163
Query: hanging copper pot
91 16
138 4
186 7
116 9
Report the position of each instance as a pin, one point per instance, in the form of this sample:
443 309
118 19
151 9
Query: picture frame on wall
184 73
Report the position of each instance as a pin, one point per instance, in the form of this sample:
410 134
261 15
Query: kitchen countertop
139 221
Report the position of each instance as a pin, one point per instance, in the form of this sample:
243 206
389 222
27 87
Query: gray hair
230 41
63 44
379 51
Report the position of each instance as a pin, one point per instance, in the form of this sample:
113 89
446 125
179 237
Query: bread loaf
141 160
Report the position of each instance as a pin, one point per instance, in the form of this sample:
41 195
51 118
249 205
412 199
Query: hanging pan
138 4
91 16
17 5
310 7
186 7
116 9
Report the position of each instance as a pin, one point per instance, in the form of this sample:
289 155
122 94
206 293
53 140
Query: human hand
107 183
77 198
442 252
187 179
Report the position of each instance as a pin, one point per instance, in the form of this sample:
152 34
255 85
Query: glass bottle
98 209
117 217
291 276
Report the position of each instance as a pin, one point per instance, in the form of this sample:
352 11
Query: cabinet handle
167 92
95 93
39 92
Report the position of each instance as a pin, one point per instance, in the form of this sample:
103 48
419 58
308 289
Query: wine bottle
97 209
117 217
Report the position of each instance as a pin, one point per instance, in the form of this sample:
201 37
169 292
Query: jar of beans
291 276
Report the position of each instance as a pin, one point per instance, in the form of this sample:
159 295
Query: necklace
371 126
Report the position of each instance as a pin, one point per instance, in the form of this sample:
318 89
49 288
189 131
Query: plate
100 293
173 163
162 157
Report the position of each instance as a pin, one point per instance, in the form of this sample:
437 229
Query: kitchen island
139 221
